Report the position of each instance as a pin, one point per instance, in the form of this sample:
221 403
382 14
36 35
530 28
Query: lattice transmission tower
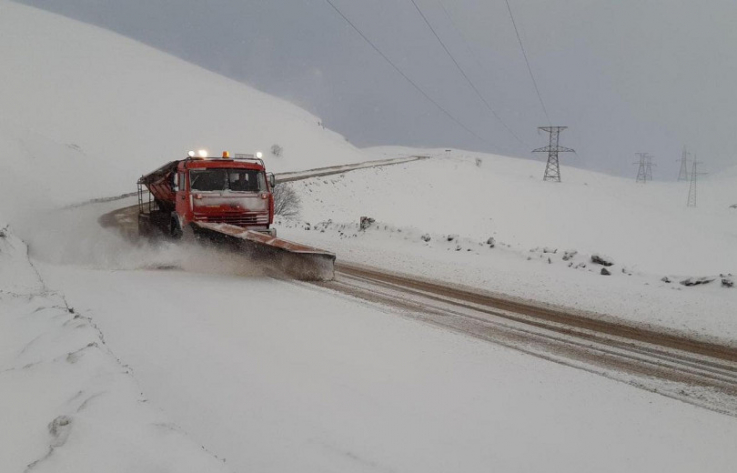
691 202
649 168
683 173
552 169
645 169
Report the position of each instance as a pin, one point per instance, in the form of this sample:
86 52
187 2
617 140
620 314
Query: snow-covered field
109 364
434 218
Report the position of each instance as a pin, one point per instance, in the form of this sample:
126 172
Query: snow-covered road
280 376
691 370
331 170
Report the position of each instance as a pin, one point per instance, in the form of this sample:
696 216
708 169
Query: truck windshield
221 179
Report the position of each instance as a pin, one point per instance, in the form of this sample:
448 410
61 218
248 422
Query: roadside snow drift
68 404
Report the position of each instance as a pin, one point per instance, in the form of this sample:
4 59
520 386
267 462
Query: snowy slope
107 109
646 230
68 404
644 227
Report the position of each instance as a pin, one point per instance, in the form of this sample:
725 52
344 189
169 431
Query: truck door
183 205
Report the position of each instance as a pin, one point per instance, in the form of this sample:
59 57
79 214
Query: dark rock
365 223
666 279
426 237
602 260
605 272
726 282
569 254
696 281
491 242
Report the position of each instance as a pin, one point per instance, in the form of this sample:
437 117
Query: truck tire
144 226
175 229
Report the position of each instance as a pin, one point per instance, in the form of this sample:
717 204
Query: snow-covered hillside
544 233
84 112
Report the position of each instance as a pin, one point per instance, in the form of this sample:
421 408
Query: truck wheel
175 229
144 226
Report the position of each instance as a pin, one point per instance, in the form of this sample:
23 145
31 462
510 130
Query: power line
527 61
465 41
460 32
396 68
458 66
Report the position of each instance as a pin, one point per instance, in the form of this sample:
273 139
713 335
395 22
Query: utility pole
683 173
645 171
691 202
552 169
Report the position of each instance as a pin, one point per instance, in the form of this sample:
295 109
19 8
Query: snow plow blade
293 259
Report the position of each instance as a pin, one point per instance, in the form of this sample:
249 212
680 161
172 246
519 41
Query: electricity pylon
691 202
552 169
649 168
683 173
645 171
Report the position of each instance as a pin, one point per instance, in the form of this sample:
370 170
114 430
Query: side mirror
272 180
175 182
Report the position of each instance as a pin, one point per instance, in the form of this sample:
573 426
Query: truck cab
235 191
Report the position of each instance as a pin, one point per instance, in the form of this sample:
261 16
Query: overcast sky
625 75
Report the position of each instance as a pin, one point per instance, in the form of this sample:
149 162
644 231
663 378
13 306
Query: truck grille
241 220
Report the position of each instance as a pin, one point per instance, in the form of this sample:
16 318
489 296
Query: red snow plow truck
228 199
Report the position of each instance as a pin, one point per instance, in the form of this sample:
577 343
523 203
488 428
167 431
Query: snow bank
68 405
